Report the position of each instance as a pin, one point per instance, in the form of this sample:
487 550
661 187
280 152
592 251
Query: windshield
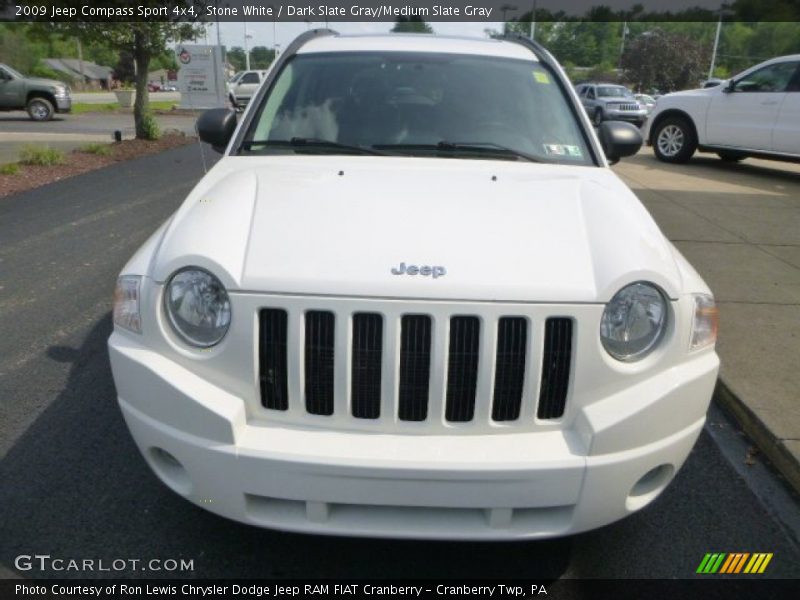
442 105
613 91
13 72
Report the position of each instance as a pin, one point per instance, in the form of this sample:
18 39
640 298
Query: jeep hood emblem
434 271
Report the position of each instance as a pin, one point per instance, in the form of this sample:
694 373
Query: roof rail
540 51
303 38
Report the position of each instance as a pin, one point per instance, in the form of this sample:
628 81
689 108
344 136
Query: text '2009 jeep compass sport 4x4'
412 300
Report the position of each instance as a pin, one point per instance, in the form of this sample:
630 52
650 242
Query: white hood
338 225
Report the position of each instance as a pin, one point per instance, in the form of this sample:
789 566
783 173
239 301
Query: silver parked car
646 101
610 102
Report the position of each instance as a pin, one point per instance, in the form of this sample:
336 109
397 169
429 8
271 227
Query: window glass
794 84
389 100
613 91
250 78
773 78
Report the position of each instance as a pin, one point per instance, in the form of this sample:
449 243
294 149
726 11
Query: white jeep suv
412 300
756 113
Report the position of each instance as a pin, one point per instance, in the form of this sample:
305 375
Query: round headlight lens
198 307
633 322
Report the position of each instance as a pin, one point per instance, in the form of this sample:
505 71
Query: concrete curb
764 438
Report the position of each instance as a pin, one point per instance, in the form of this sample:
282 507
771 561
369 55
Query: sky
232 34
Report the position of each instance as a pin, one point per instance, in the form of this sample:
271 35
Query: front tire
674 140
40 109
597 117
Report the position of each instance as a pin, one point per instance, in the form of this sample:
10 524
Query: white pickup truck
243 85
756 113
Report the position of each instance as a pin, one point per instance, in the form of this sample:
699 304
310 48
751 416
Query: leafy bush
150 127
41 155
9 169
96 148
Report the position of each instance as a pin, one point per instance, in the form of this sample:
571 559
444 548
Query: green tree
664 61
411 25
236 58
261 57
143 40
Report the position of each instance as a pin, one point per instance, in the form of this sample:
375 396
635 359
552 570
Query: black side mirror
619 139
729 87
216 127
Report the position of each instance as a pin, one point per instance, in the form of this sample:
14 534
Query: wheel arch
671 112
40 94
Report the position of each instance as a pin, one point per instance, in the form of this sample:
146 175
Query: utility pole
622 46
246 48
80 59
533 22
716 44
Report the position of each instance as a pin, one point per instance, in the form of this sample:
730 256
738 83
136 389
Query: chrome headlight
634 321
197 307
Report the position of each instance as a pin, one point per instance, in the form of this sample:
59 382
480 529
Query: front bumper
632 116
616 456
64 104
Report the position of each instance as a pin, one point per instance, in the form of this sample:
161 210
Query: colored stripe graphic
758 563
711 563
734 562
732 558
741 562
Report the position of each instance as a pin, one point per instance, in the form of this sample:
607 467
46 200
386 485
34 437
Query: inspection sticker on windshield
562 150
541 77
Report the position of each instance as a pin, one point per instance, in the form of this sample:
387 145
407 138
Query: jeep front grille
415 367
555 368
319 345
368 366
365 392
272 357
462 368
509 375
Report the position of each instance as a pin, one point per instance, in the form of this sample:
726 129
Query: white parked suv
756 113
412 300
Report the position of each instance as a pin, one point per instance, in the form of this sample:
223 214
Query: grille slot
365 392
272 359
509 377
556 360
319 344
415 367
462 368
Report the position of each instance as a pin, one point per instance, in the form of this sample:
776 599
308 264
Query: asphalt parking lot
72 484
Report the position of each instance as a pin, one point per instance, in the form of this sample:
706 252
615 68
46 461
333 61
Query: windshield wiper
469 147
299 143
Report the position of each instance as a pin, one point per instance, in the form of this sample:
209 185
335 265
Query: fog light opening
650 485
170 471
